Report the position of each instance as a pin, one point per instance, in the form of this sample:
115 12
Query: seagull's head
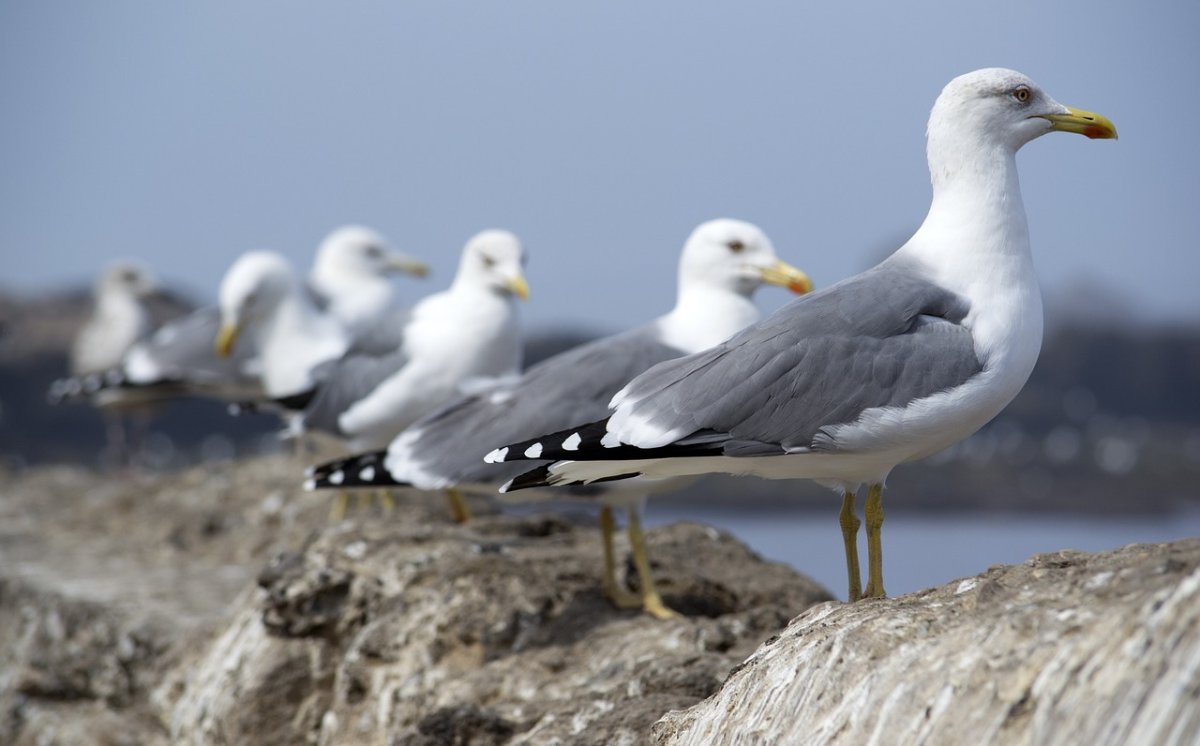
495 260
738 256
127 278
355 251
995 106
250 291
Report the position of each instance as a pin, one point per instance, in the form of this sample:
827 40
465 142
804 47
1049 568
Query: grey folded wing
884 338
571 387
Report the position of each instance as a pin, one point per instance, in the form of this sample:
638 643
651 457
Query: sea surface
922 550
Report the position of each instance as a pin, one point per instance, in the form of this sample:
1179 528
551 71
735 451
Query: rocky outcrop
219 606
1068 648
489 633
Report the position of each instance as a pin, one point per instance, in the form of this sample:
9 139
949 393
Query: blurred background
602 133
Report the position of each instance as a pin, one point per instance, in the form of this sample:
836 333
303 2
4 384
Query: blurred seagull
465 336
461 339
886 367
349 281
723 262
118 321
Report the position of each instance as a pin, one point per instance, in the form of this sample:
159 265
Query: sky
186 133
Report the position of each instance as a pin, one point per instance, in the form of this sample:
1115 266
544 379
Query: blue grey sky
186 133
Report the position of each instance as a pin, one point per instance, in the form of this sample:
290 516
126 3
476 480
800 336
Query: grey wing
384 336
343 382
883 338
571 387
182 351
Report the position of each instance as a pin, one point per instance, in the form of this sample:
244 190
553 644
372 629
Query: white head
126 278
251 291
355 251
493 260
998 109
736 256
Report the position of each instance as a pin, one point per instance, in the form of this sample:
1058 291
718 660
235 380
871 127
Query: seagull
886 367
465 336
349 280
723 262
350 277
262 299
119 320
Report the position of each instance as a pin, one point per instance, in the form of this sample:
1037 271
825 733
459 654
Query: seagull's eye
488 261
736 246
1022 94
374 252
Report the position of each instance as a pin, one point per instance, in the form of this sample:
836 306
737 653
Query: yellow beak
785 275
408 265
518 287
225 339
1089 124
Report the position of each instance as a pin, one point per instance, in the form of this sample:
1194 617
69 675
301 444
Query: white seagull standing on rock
885 367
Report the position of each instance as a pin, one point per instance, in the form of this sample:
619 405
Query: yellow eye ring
1021 94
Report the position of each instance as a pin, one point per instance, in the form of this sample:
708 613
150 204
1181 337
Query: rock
1068 648
494 632
218 605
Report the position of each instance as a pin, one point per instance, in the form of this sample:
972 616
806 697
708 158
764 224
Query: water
922 550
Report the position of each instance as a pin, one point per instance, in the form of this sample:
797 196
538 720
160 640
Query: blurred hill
1109 421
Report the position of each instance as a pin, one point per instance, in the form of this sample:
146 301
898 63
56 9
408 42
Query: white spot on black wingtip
337 477
610 440
496 456
310 485
504 487
310 471
367 474
533 451
572 442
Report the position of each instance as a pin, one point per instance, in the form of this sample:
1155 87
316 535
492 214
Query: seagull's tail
112 382
362 470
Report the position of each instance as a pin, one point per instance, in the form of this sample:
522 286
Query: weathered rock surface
129 613
1068 648
489 633
218 606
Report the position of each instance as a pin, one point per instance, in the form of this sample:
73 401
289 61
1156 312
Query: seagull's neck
975 242
975 235
705 315
121 309
292 340
356 299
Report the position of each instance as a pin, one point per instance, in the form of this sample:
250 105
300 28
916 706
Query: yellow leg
340 501
652 603
459 510
362 500
617 594
874 516
386 501
850 524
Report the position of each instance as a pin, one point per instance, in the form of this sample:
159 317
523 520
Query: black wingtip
539 477
563 445
363 470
